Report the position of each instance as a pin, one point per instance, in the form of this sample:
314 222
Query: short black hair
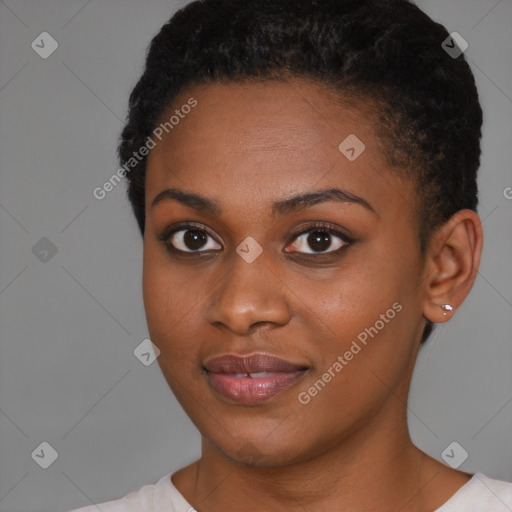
388 52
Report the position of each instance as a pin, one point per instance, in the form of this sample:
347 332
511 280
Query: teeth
260 374
255 375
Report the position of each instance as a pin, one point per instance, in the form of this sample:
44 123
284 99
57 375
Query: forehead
260 141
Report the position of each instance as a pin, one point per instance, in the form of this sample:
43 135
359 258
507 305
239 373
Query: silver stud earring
445 308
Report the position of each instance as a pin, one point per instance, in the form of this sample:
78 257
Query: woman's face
255 275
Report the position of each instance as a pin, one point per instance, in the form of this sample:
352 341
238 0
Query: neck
373 469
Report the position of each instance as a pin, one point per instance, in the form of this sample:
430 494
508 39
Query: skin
246 146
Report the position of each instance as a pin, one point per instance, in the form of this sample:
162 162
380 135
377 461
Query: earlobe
453 258
445 308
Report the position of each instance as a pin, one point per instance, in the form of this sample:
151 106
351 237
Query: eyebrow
279 208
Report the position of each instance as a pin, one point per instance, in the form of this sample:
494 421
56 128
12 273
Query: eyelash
318 226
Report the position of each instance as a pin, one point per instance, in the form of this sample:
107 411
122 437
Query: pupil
194 238
319 240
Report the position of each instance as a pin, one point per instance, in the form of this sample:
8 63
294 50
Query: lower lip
249 390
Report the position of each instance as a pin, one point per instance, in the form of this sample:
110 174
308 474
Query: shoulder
481 494
149 498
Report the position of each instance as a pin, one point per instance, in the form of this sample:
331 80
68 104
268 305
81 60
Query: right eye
189 238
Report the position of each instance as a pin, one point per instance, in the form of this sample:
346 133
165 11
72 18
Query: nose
249 294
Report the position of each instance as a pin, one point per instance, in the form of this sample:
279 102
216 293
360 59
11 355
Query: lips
251 379
254 363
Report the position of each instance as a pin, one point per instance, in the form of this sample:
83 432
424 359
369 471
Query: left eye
319 240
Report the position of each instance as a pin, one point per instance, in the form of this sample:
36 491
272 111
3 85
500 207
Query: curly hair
387 53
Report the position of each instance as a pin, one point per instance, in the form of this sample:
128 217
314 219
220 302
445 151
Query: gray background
69 326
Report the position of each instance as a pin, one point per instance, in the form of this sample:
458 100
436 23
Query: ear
452 261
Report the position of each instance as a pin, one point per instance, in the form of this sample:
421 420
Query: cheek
170 317
366 314
351 298
175 298
168 300
157 299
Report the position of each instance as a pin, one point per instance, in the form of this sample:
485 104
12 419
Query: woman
304 176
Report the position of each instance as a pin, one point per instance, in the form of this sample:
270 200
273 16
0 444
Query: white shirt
480 494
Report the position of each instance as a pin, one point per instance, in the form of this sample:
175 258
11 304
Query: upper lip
254 363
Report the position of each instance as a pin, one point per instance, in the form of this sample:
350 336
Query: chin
261 452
